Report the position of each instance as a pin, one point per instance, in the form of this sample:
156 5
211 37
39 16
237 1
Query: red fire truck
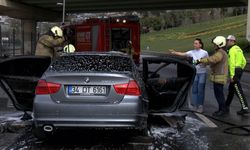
107 34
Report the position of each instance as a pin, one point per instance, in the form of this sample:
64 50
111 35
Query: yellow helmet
220 41
69 48
57 31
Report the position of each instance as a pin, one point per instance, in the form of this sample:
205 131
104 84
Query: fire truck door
94 32
120 37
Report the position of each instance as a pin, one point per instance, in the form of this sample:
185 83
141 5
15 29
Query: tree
156 23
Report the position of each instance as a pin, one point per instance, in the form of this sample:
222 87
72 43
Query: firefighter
68 34
237 63
219 71
129 49
49 41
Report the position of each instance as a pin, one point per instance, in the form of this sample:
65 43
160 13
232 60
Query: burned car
94 90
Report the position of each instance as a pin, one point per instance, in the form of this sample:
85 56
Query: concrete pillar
248 21
28 36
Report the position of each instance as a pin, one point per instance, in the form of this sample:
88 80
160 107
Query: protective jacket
236 59
46 44
219 66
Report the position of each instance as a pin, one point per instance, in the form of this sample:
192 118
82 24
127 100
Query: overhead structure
31 11
22 11
42 9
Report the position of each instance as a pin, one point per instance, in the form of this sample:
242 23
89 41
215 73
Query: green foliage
152 22
181 38
156 23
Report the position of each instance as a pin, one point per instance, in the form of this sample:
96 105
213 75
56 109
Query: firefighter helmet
69 48
220 41
57 31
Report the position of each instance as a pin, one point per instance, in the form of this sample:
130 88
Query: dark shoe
215 113
243 111
219 113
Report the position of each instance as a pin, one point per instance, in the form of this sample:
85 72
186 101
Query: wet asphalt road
195 135
161 137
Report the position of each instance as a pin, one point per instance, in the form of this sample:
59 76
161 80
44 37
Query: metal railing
10 43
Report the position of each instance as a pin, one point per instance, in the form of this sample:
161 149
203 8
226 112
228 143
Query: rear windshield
91 63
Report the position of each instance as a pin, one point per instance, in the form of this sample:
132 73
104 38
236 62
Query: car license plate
87 90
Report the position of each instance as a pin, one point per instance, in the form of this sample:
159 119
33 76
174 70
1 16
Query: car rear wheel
143 132
142 136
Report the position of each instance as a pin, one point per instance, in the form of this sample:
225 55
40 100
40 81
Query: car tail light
44 87
121 88
133 88
130 88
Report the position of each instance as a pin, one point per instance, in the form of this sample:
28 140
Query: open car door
19 77
168 81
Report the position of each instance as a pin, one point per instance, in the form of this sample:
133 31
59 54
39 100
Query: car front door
19 77
168 81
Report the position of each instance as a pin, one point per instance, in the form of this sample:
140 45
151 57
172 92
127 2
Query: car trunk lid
88 87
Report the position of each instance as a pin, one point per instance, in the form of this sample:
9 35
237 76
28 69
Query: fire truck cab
107 34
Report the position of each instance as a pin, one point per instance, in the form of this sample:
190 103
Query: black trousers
219 95
235 88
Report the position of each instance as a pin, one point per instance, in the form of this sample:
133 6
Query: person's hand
196 62
172 51
232 79
162 81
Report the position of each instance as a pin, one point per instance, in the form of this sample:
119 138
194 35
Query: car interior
167 91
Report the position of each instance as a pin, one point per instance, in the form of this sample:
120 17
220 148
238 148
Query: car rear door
168 81
19 77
